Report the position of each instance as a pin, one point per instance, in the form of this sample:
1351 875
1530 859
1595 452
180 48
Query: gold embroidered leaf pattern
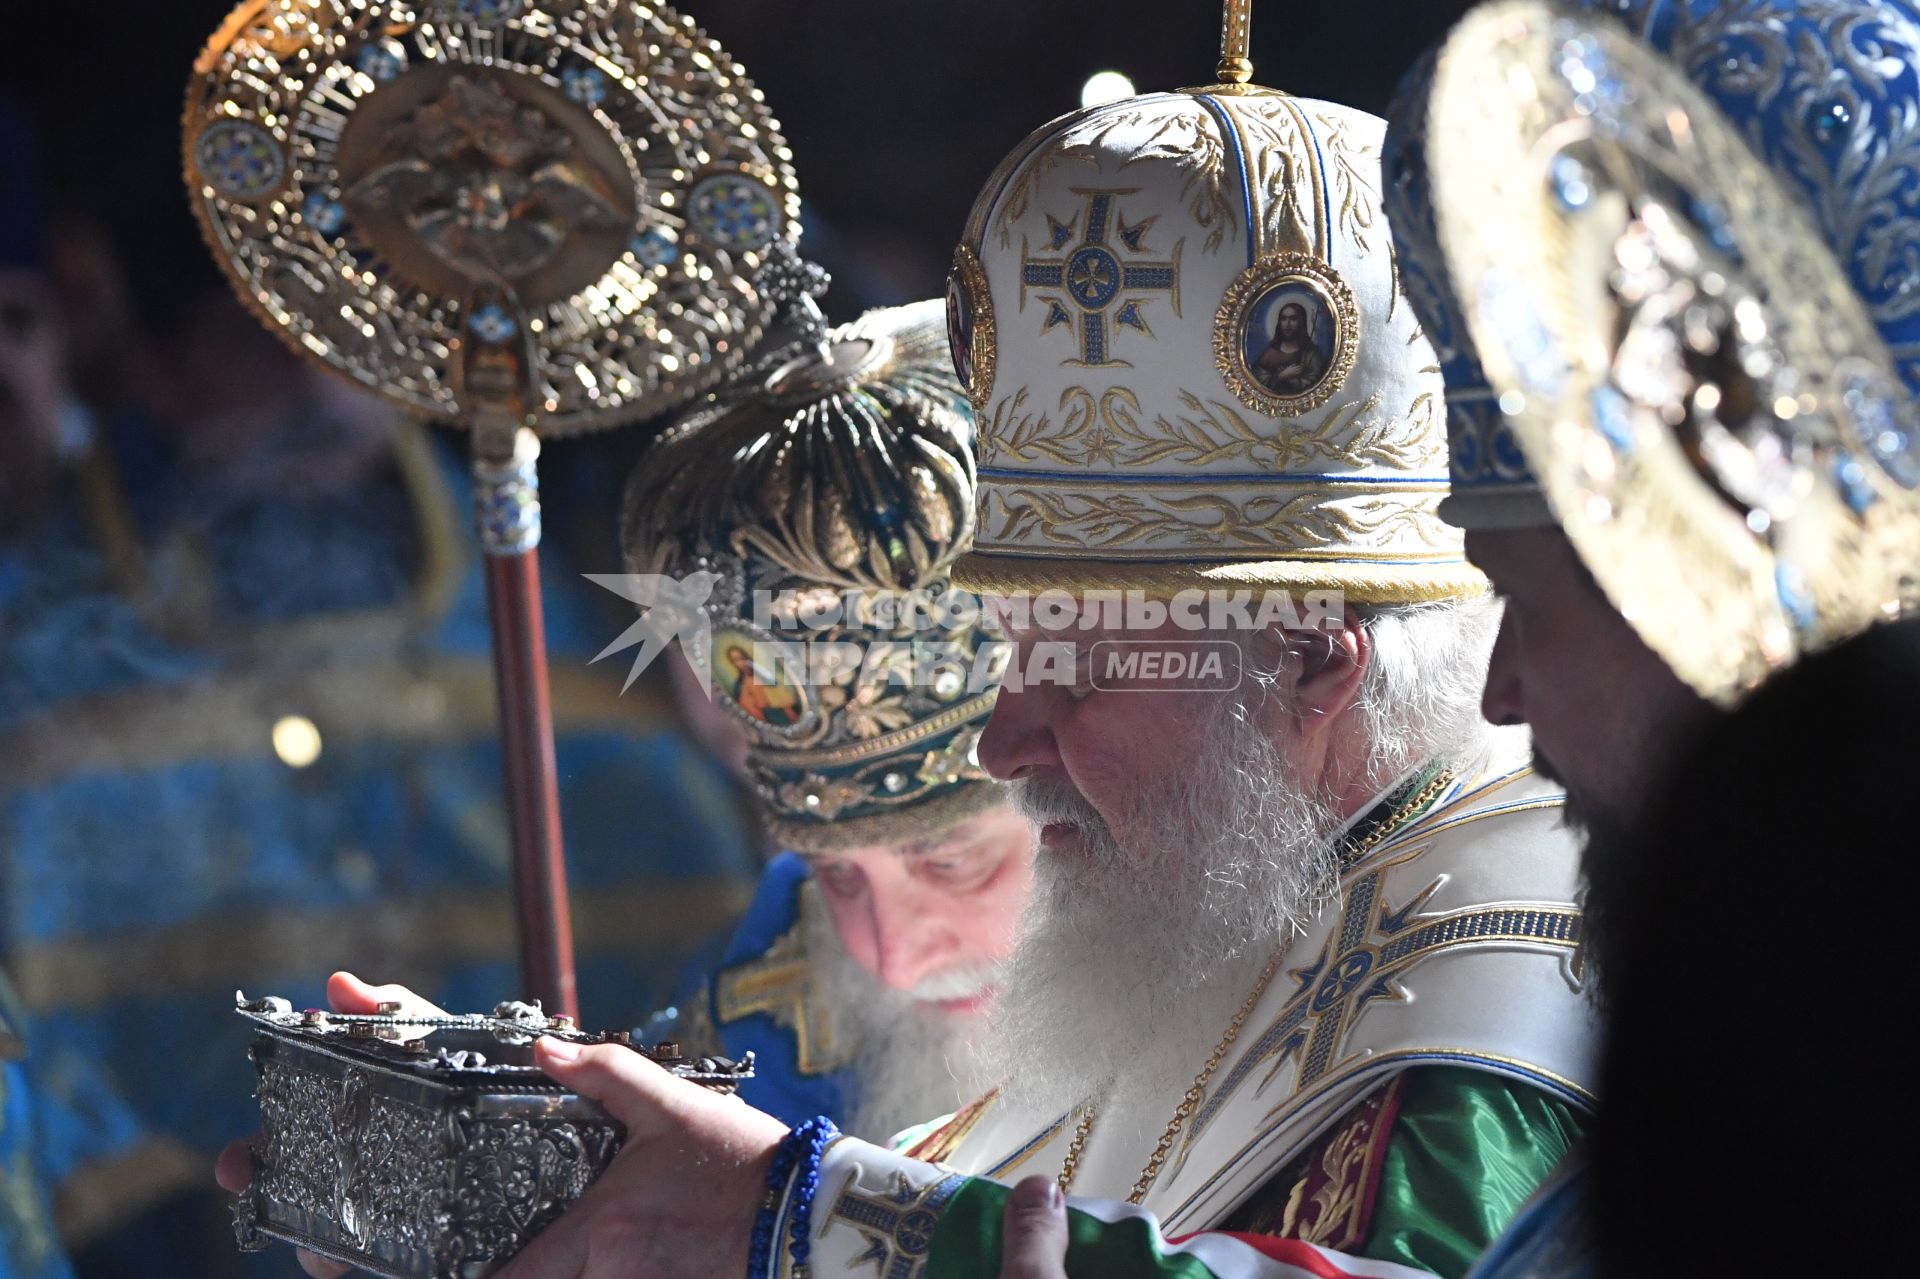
823 797
1405 444
1087 431
1122 519
1031 435
1021 190
1182 134
1272 137
871 713
993 428
1302 520
1352 523
1218 431
1117 431
951 762
1349 163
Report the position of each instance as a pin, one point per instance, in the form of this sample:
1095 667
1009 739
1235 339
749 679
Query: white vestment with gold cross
1453 943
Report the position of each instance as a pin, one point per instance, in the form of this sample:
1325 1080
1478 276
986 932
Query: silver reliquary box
423 1146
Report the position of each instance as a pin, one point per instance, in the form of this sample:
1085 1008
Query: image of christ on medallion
1288 341
960 329
758 688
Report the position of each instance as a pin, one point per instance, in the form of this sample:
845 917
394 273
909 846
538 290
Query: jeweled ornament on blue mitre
827 494
1709 407
1490 485
1827 92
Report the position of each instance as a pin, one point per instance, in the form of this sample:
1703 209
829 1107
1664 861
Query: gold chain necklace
1191 1101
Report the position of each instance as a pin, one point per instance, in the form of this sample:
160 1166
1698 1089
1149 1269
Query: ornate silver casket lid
424 1145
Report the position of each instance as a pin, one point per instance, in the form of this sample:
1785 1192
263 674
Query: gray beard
911 1061
1140 945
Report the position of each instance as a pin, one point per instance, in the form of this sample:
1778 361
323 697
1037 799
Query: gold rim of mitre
926 820
1685 367
1364 583
653 162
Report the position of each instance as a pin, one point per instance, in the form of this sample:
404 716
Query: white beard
912 1060
1139 946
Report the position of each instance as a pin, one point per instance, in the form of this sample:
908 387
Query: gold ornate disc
587 185
1708 408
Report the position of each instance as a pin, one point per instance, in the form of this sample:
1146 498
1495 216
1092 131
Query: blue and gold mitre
825 497
1710 410
1490 485
1828 94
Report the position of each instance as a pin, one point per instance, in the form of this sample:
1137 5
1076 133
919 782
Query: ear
1332 660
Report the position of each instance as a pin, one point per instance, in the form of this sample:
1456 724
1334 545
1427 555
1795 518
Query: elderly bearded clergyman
1302 959
1302 964
868 958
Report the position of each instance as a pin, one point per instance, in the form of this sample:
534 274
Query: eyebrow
938 843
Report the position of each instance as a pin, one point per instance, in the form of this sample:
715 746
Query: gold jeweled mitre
826 495
1698 389
1178 318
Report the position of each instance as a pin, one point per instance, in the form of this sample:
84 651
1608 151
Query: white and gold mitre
1178 319
1454 942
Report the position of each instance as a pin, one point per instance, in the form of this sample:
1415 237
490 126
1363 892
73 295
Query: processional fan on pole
525 219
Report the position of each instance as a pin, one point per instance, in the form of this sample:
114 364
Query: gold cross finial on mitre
1236 67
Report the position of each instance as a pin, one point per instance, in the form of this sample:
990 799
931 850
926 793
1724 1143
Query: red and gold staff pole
495 361
528 218
526 740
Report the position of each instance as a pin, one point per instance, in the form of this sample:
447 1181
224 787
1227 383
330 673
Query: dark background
896 111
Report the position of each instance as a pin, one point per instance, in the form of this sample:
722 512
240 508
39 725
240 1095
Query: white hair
1136 949
911 1060
1419 700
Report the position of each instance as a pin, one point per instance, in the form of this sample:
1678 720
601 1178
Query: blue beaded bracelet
796 1160
806 1185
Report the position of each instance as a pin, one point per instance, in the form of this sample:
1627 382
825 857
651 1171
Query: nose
910 938
1503 700
1017 740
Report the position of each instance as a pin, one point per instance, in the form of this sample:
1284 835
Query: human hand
681 1195
348 994
345 994
1033 1241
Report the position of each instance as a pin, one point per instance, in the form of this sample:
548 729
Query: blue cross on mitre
1093 275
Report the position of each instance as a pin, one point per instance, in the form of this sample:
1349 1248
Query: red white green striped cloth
1120 1241
880 1213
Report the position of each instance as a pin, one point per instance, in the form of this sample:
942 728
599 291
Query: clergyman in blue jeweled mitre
1681 451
